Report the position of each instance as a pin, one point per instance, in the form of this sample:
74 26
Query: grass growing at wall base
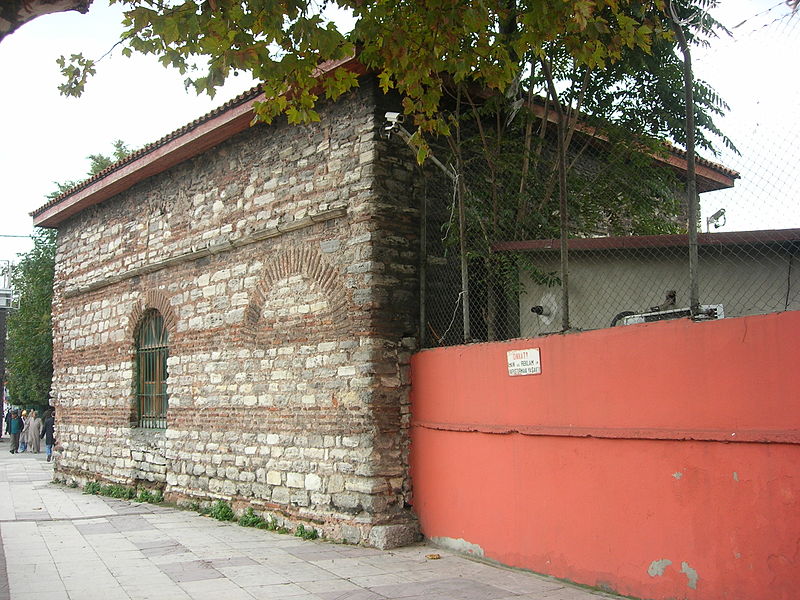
124 492
222 511
306 534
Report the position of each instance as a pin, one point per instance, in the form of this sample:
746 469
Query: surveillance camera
718 219
394 117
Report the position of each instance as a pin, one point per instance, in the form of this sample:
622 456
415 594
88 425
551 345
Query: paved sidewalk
60 544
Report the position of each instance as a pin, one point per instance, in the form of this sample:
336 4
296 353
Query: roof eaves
711 176
182 144
634 242
135 157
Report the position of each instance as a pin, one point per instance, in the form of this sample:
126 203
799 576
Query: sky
47 137
755 71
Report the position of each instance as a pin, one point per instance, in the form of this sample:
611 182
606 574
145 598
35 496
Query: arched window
151 371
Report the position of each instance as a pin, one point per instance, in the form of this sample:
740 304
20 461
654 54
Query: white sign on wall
524 362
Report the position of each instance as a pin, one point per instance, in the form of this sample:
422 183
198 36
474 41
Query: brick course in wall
284 262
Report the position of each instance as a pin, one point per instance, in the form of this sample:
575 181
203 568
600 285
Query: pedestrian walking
34 433
49 435
8 421
23 435
15 428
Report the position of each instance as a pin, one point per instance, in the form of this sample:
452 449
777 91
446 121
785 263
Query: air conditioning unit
707 312
6 298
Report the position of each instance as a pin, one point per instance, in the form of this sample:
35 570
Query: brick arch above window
309 264
151 299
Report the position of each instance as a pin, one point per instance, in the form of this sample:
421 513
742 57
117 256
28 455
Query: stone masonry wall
288 350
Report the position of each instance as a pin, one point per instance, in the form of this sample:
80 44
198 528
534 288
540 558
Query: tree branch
15 13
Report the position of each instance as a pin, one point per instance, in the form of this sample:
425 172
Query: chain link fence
494 266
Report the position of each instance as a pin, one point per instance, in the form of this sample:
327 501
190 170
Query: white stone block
295 480
313 482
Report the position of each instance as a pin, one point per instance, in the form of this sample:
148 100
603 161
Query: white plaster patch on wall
458 545
657 567
691 574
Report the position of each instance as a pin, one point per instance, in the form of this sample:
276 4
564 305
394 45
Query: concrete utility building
743 272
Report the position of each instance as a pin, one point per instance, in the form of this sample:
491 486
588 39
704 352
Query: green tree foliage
572 144
97 164
100 162
30 333
610 121
30 339
420 48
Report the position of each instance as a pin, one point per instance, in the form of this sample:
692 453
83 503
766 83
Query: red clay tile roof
704 162
247 96
201 134
710 175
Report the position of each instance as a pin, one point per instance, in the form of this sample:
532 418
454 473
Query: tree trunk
491 301
691 183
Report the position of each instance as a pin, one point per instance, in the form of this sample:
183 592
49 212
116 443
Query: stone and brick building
234 312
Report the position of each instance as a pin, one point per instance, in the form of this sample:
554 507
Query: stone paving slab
61 544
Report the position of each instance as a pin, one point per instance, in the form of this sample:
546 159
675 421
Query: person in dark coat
15 429
48 433
8 421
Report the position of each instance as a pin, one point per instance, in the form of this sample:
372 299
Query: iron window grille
151 371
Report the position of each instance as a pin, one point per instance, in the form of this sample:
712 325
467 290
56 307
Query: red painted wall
658 460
